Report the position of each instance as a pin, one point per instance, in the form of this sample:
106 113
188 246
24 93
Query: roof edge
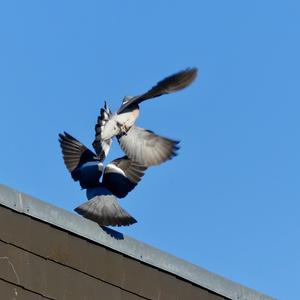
115 240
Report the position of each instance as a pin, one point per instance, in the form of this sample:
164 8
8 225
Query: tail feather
106 211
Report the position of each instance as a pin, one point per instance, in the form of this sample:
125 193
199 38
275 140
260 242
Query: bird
119 177
141 145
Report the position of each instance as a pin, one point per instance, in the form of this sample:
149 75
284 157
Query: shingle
15 228
95 259
5 219
141 279
10 291
58 245
105 264
23 268
95 289
187 291
7 272
75 287
66 283
134 275
114 268
40 242
59 249
35 275
12 264
129 296
167 287
150 287
56 277
78 253
27 295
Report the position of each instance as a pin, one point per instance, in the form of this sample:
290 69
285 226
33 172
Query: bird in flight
119 177
141 145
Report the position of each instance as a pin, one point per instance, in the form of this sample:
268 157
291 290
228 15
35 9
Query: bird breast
128 117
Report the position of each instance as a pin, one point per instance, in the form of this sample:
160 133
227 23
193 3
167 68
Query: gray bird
141 145
119 178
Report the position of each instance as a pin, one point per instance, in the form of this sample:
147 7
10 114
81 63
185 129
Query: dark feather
74 153
100 146
171 84
122 175
133 170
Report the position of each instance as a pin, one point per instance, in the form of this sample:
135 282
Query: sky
229 202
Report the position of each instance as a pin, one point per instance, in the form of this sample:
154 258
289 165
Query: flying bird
119 177
141 145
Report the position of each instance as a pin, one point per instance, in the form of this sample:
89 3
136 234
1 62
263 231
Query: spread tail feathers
106 211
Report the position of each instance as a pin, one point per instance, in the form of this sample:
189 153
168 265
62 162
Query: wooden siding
41 261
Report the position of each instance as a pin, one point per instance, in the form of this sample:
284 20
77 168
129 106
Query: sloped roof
115 240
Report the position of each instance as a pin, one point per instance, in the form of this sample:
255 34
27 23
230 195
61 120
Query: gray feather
170 84
132 170
104 209
147 148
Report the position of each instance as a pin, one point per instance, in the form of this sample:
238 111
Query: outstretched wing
102 146
74 152
81 162
147 148
171 84
122 175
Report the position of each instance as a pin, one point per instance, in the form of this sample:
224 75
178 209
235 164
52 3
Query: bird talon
124 129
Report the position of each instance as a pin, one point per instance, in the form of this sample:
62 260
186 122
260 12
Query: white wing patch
114 169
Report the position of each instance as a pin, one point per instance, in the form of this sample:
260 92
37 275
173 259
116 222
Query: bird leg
124 129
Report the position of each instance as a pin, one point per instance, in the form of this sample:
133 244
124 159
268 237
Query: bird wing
171 84
74 152
122 175
102 147
147 148
82 163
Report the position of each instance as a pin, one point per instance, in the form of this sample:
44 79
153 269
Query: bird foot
124 129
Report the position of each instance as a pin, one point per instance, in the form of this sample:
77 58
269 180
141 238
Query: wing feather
74 152
122 175
147 148
102 147
170 84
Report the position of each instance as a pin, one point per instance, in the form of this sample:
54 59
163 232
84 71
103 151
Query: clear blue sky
229 201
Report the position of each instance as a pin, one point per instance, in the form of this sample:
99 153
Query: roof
115 240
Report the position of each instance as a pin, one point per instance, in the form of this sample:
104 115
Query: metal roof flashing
107 237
